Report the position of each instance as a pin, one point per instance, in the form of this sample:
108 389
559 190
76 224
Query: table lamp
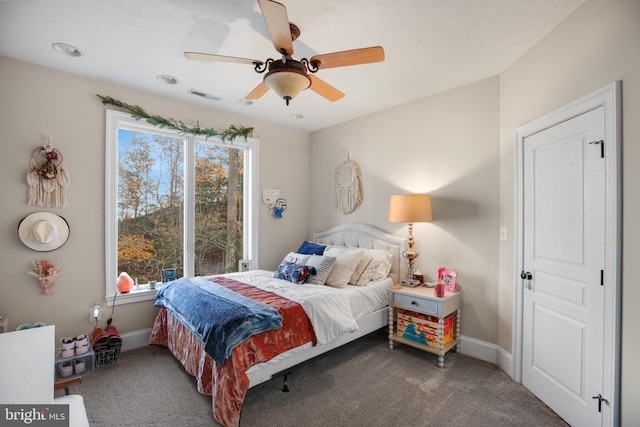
410 208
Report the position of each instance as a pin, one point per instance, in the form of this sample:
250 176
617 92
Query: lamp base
410 283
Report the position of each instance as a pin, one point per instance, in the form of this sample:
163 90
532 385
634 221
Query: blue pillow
292 272
310 248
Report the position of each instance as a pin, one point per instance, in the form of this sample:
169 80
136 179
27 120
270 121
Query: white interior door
563 262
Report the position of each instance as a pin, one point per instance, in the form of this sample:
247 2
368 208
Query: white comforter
328 309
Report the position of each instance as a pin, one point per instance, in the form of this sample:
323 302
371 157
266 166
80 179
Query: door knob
600 400
527 276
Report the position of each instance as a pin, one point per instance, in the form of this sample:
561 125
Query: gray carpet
360 384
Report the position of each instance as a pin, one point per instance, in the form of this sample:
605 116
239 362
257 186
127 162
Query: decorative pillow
346 262
336 246
323 266
380 264
360 269
294 273
296 257
367 276
311 248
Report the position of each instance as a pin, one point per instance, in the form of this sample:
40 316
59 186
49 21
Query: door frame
608 96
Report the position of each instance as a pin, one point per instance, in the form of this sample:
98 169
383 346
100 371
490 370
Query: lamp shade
287 78
410 208
287 83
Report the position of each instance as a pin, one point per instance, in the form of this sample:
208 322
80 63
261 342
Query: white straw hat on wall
43 231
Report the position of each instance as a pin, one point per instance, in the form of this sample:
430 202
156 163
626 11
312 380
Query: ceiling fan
287 76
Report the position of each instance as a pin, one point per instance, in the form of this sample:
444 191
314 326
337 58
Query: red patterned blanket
228 384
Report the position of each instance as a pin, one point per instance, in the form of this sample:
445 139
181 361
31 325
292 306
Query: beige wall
598 44
459 144
446 145
35 101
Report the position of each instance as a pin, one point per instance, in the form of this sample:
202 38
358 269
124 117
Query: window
175 201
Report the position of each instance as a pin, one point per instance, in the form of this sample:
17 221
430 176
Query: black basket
107 357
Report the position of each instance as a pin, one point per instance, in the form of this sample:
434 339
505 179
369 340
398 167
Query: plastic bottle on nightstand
439 288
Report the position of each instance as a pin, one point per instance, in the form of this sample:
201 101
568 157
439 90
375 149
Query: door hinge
601 142
600 400
601 277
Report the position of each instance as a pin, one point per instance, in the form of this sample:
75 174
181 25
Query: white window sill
143 293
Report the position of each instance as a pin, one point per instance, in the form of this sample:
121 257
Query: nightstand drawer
414 303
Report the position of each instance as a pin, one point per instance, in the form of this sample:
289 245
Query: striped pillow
322 265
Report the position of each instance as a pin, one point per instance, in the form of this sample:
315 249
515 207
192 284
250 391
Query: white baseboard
135 339
505 362
488 352
468 346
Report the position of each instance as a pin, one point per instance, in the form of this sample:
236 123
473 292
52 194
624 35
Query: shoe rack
74 360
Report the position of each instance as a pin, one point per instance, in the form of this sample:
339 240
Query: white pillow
346 262
380 264
296 258
336 246
357 273
323 265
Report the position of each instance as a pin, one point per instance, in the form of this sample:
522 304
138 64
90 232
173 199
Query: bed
308 320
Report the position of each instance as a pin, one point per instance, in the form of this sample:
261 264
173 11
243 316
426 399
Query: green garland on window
138 113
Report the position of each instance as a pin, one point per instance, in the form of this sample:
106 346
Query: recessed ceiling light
296 116
243 101
166 79
66 49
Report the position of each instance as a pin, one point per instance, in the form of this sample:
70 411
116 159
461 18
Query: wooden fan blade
324 89
260 90
220 58
365 55
277 20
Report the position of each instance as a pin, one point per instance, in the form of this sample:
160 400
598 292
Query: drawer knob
414 303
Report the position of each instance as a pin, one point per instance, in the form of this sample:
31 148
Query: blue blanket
219 317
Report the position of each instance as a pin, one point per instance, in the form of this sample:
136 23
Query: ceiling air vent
204 95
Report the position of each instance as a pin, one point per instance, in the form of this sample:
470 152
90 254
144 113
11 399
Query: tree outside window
179 202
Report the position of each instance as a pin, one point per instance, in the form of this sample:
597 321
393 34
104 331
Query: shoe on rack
65 369
114 339
81 344
67 347
79 366
99 340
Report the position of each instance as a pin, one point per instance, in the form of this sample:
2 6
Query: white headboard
368 237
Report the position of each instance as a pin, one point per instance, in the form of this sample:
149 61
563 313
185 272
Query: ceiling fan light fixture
287 79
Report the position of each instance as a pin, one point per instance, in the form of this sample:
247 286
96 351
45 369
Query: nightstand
420 319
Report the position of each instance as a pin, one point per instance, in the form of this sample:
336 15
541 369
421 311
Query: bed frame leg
285 388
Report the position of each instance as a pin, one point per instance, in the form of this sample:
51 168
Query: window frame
118 120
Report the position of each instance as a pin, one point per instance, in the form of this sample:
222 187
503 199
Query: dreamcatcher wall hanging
348 186
47 177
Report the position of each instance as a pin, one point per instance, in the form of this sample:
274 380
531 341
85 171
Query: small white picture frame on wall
244 265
